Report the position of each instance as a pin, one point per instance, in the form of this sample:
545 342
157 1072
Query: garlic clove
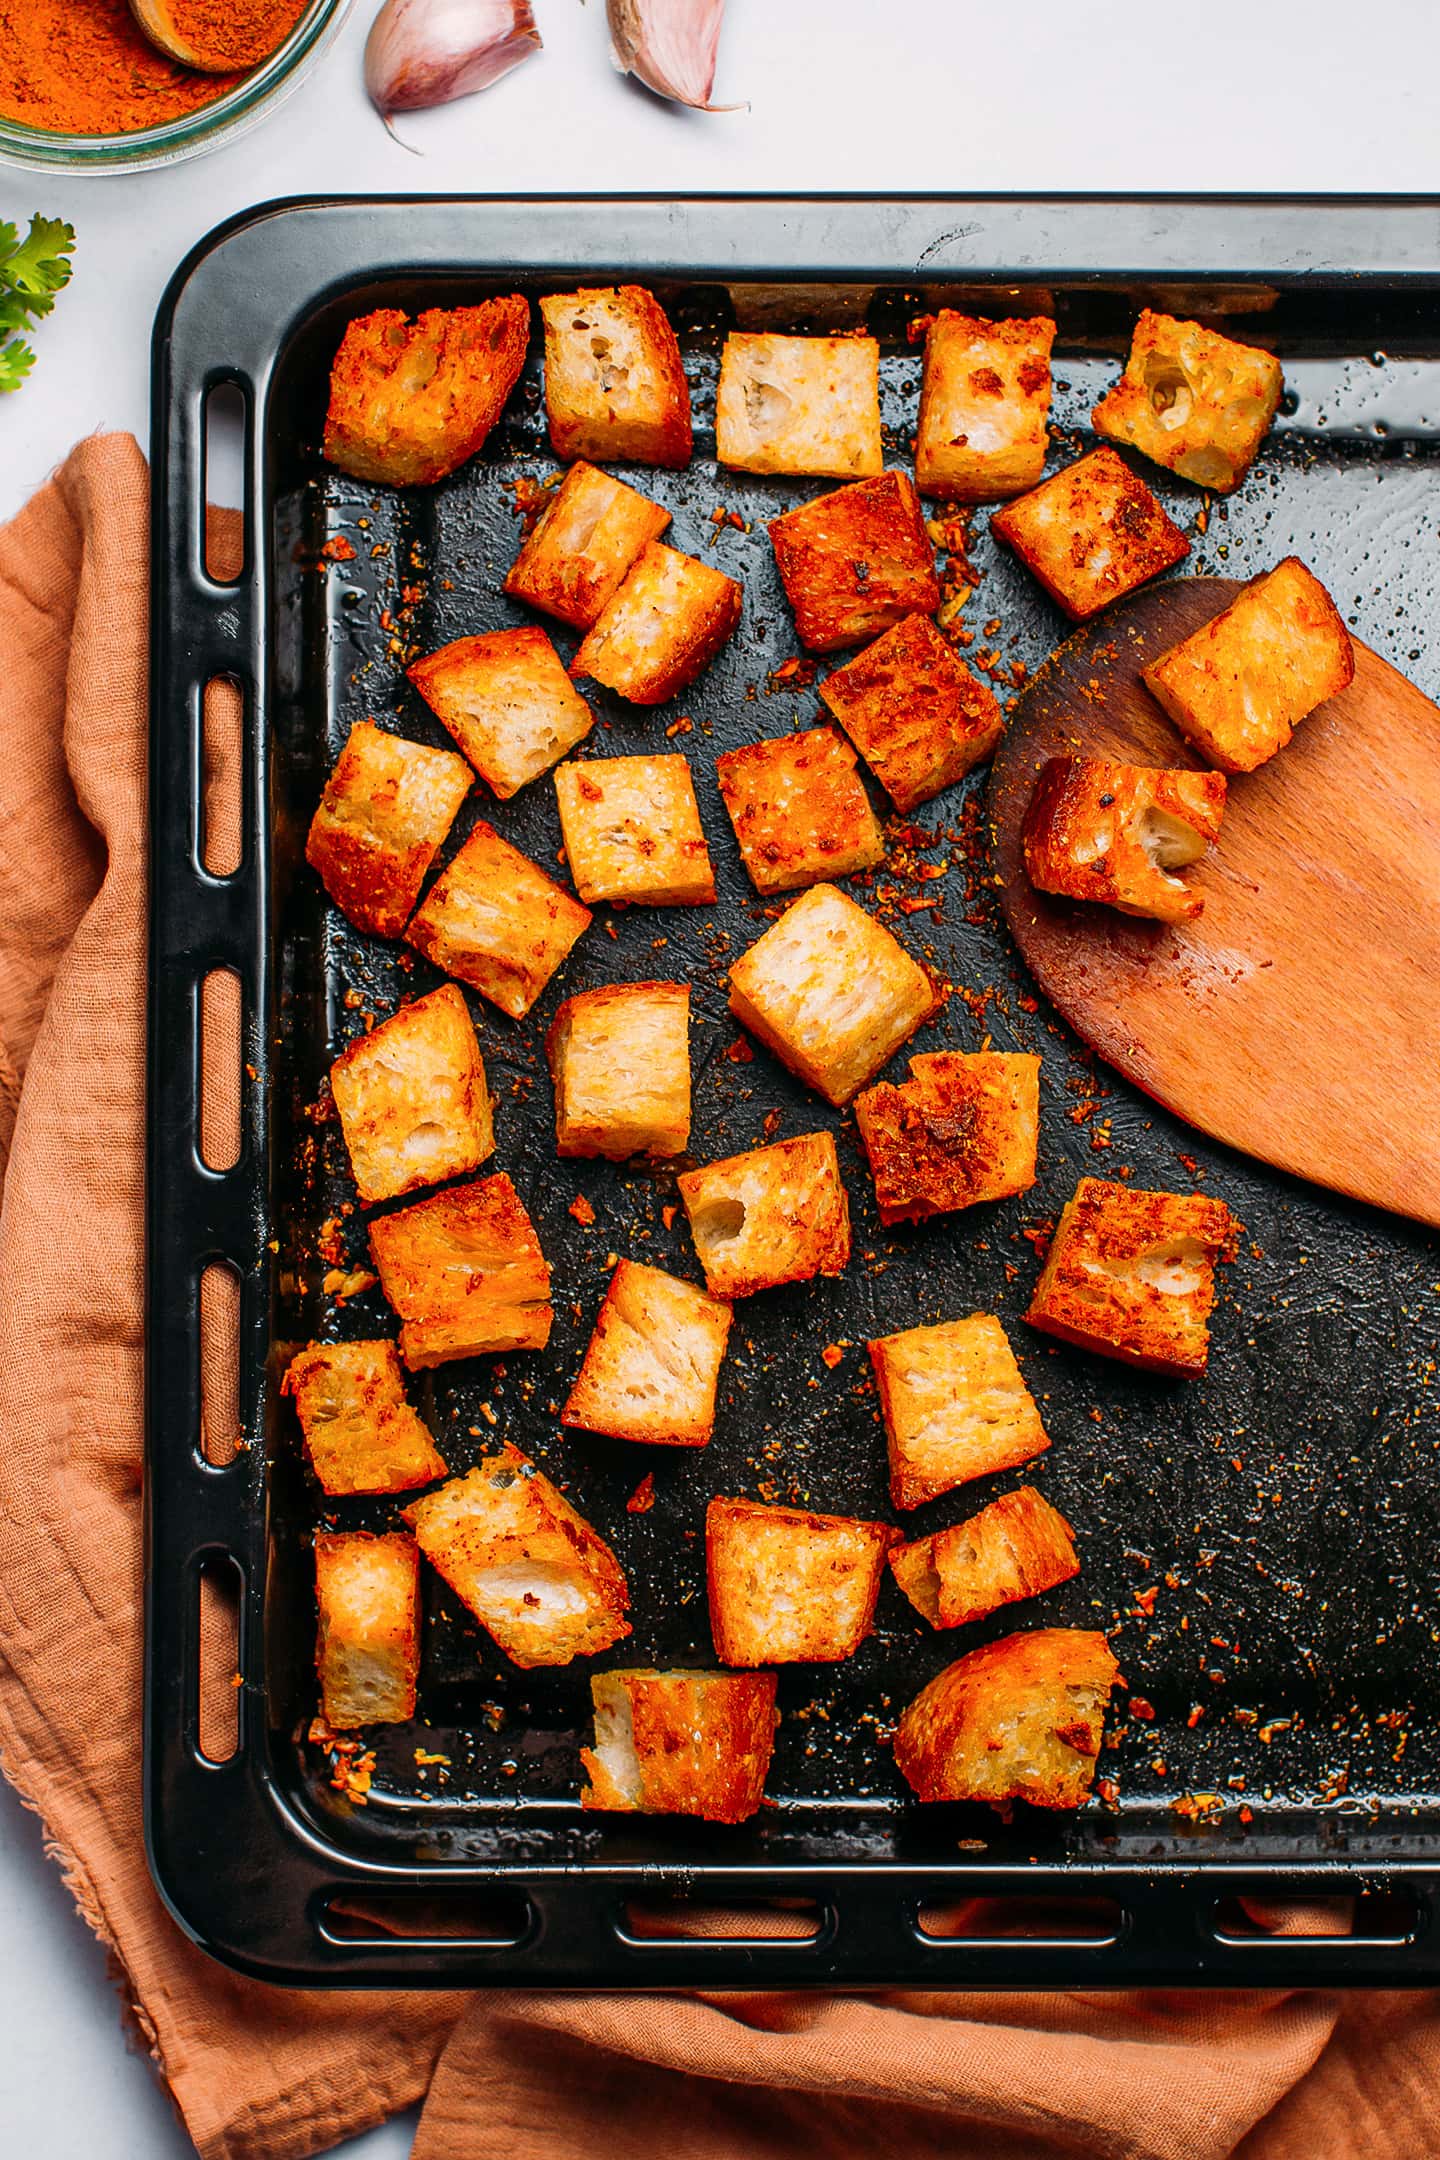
425 52
670 46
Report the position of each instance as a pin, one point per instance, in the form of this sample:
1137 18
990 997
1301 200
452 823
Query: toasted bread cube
856 561
984 401
830 991
413 1103
465 1272
1091 534
360 1433
775 1215
577 556
799 810
631 827
799 405
409 401
680 1743
1239 686
787 1587
386 808
961 1130
1016 1548
1131 1275
495 920
660 627
508 701
955 1407
918 718
526 1563
615 385
1193 401
653 1363
367 1649
1019 1719
1099 830
620 1061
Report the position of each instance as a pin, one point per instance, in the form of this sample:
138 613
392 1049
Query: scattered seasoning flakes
1195 1807
832 1354
582 1211
740 1052
347 1282
642 1499
423 1757
1140 1708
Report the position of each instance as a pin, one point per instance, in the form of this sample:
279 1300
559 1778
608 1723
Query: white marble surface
844 96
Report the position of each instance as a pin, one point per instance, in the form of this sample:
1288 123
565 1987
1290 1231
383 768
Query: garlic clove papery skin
426 52
670 46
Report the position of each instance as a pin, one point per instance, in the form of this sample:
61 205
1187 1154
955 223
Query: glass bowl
191 133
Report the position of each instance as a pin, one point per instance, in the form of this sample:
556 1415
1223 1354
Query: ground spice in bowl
218 35
83 67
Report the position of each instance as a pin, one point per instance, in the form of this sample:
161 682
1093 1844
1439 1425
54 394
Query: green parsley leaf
37 266
16 361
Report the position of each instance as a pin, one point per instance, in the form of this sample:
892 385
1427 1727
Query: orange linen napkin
260 2073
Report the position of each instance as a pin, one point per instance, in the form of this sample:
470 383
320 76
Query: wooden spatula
1298 1019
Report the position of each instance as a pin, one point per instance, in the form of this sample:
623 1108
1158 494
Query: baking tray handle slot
217 1652
497 1918
1024 1923
225 464
1353 1919
659 1923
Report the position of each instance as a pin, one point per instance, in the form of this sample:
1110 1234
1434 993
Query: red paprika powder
82 67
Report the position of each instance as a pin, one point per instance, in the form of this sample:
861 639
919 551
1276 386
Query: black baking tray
1277 1734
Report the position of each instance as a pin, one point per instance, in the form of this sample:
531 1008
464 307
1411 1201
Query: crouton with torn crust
1019 1719
1193 401
955 1407
680 1743
577 556
631 827
508 701
787 1587
799 405
367 1649
1100 830
653 1363
465 1272
774 1215
664 623
918 718
615 387
413 1103
1091 534
984 401
962 1129
410 401
799 810
1131 1275
856 561
1016 1548
496 921
361 1435
620 1061
385 811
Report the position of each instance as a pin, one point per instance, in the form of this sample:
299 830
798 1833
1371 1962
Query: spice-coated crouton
830 991
1091 533
367 1650
409 401
1240 685
1132 1275
494 919
508 702
631 827
799 810
680 1743
955 1407
413 1103
918 718
856 561
360 1433
1019 1719
620 1061
786 1587
962 1129
465 1272
578 554
615 386
653 1362
386 808
1192 400
1013 1549
799 405
1098 830
774 1215
984 399
530 1568
665 622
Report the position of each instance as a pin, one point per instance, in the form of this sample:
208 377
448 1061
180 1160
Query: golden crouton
918 718
367 1650
360 1433
1091 534
508 701
786 1587
660 627
409 401
831 992
495 920
1019 1719
1240 685
620 1061
465 1272
799 405
1132 1275
413 1103
774 1215
1098 830
1013 1549
530 1568
856 561
578 554
1192 400
962 1129
615 385
799 810
984 399
631 827
386 809
955 1407
680 1743
653 1363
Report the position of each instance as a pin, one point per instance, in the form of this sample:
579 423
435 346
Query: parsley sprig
32 271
